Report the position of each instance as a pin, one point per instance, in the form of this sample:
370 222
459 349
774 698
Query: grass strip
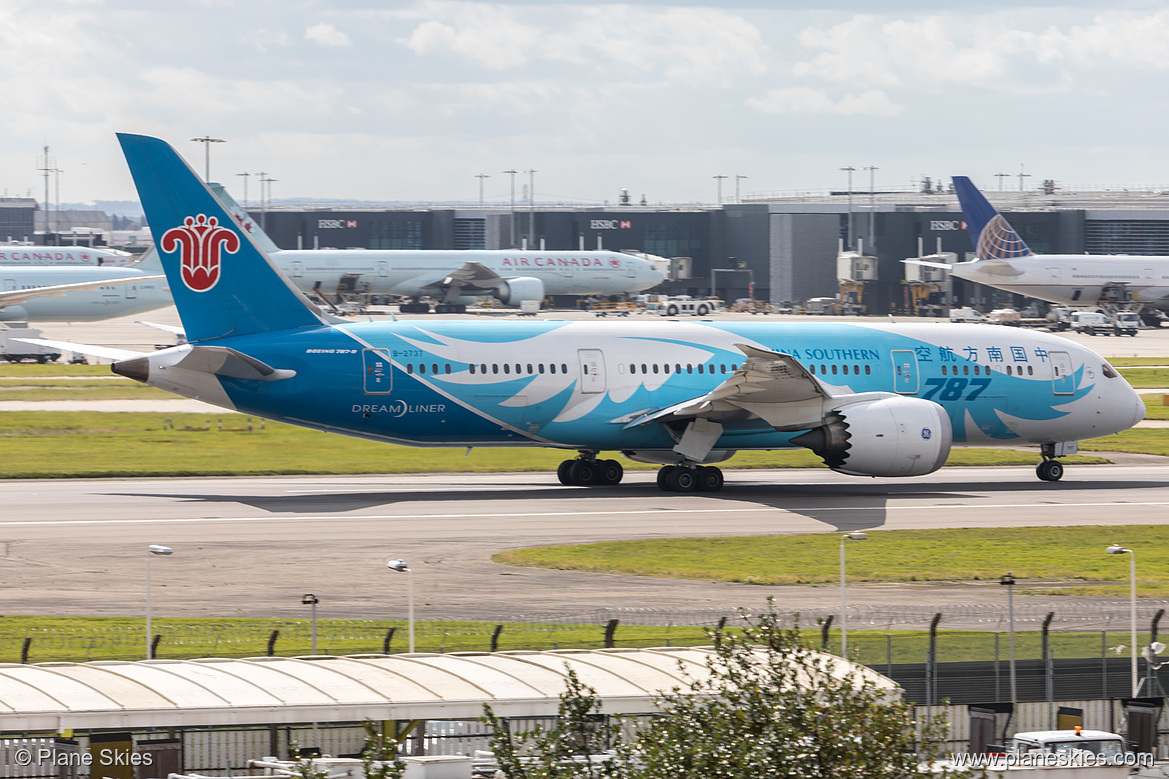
1065 560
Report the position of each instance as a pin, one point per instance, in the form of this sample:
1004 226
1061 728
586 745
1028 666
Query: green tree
767 705
380 758
564 750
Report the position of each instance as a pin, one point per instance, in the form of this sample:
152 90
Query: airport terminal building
783 247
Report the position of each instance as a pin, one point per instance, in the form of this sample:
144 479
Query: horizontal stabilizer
165 328
104 352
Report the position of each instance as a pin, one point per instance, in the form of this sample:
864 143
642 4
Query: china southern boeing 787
870 399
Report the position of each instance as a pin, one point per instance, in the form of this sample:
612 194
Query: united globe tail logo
200 243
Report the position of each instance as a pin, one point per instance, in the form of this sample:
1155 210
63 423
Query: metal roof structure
57 697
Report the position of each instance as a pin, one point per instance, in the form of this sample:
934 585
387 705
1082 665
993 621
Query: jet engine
516 290
892 436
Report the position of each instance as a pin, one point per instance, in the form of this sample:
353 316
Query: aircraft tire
583 473
664 477
683 480
710 479
610 472
1049 470
563 473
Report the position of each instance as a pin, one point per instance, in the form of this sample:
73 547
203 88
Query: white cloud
805 101
675 44
326 34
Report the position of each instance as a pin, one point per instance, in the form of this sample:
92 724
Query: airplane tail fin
244 218
992 236
150 261
222 283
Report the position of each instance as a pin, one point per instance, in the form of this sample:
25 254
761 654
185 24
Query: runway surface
253 546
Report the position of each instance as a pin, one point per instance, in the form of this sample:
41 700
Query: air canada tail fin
243 218
992 236
222 283
149 261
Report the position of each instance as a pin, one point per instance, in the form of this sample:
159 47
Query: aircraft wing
771 386
104 352
475 275
14 297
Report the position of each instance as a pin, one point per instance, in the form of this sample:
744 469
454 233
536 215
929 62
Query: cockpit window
1110 372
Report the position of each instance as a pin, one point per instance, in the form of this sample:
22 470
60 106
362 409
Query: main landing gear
682 478
588 471
1051 469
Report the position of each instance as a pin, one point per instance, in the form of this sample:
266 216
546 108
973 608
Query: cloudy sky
410 100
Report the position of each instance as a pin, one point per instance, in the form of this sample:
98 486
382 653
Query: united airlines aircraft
870 399
1004 261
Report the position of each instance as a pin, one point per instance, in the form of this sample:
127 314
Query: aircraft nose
1139 410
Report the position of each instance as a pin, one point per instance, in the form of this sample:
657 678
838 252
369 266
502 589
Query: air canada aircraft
81 293
870 399
454 278
1004 261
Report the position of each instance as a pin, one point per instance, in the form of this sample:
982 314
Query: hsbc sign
336 224
938 225
610 224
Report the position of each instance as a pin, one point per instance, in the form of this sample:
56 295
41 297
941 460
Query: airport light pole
401 567
849 169
309 599
531 208
738 178
872 169
246 177
512 237
1132 608
1008 581
481 176
151 551
719 179
207 140
858 536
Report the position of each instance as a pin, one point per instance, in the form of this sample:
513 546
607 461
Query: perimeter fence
1062 650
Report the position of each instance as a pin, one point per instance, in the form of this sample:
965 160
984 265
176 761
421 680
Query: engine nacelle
891 436
514 291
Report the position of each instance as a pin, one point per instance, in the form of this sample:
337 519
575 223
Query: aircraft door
378 372
130 291
1063 378
905 372
592 370
9 285
297 269
383 269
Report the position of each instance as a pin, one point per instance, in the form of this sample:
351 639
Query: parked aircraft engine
516 290
893 436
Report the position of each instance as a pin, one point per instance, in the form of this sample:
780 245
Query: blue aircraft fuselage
579 384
